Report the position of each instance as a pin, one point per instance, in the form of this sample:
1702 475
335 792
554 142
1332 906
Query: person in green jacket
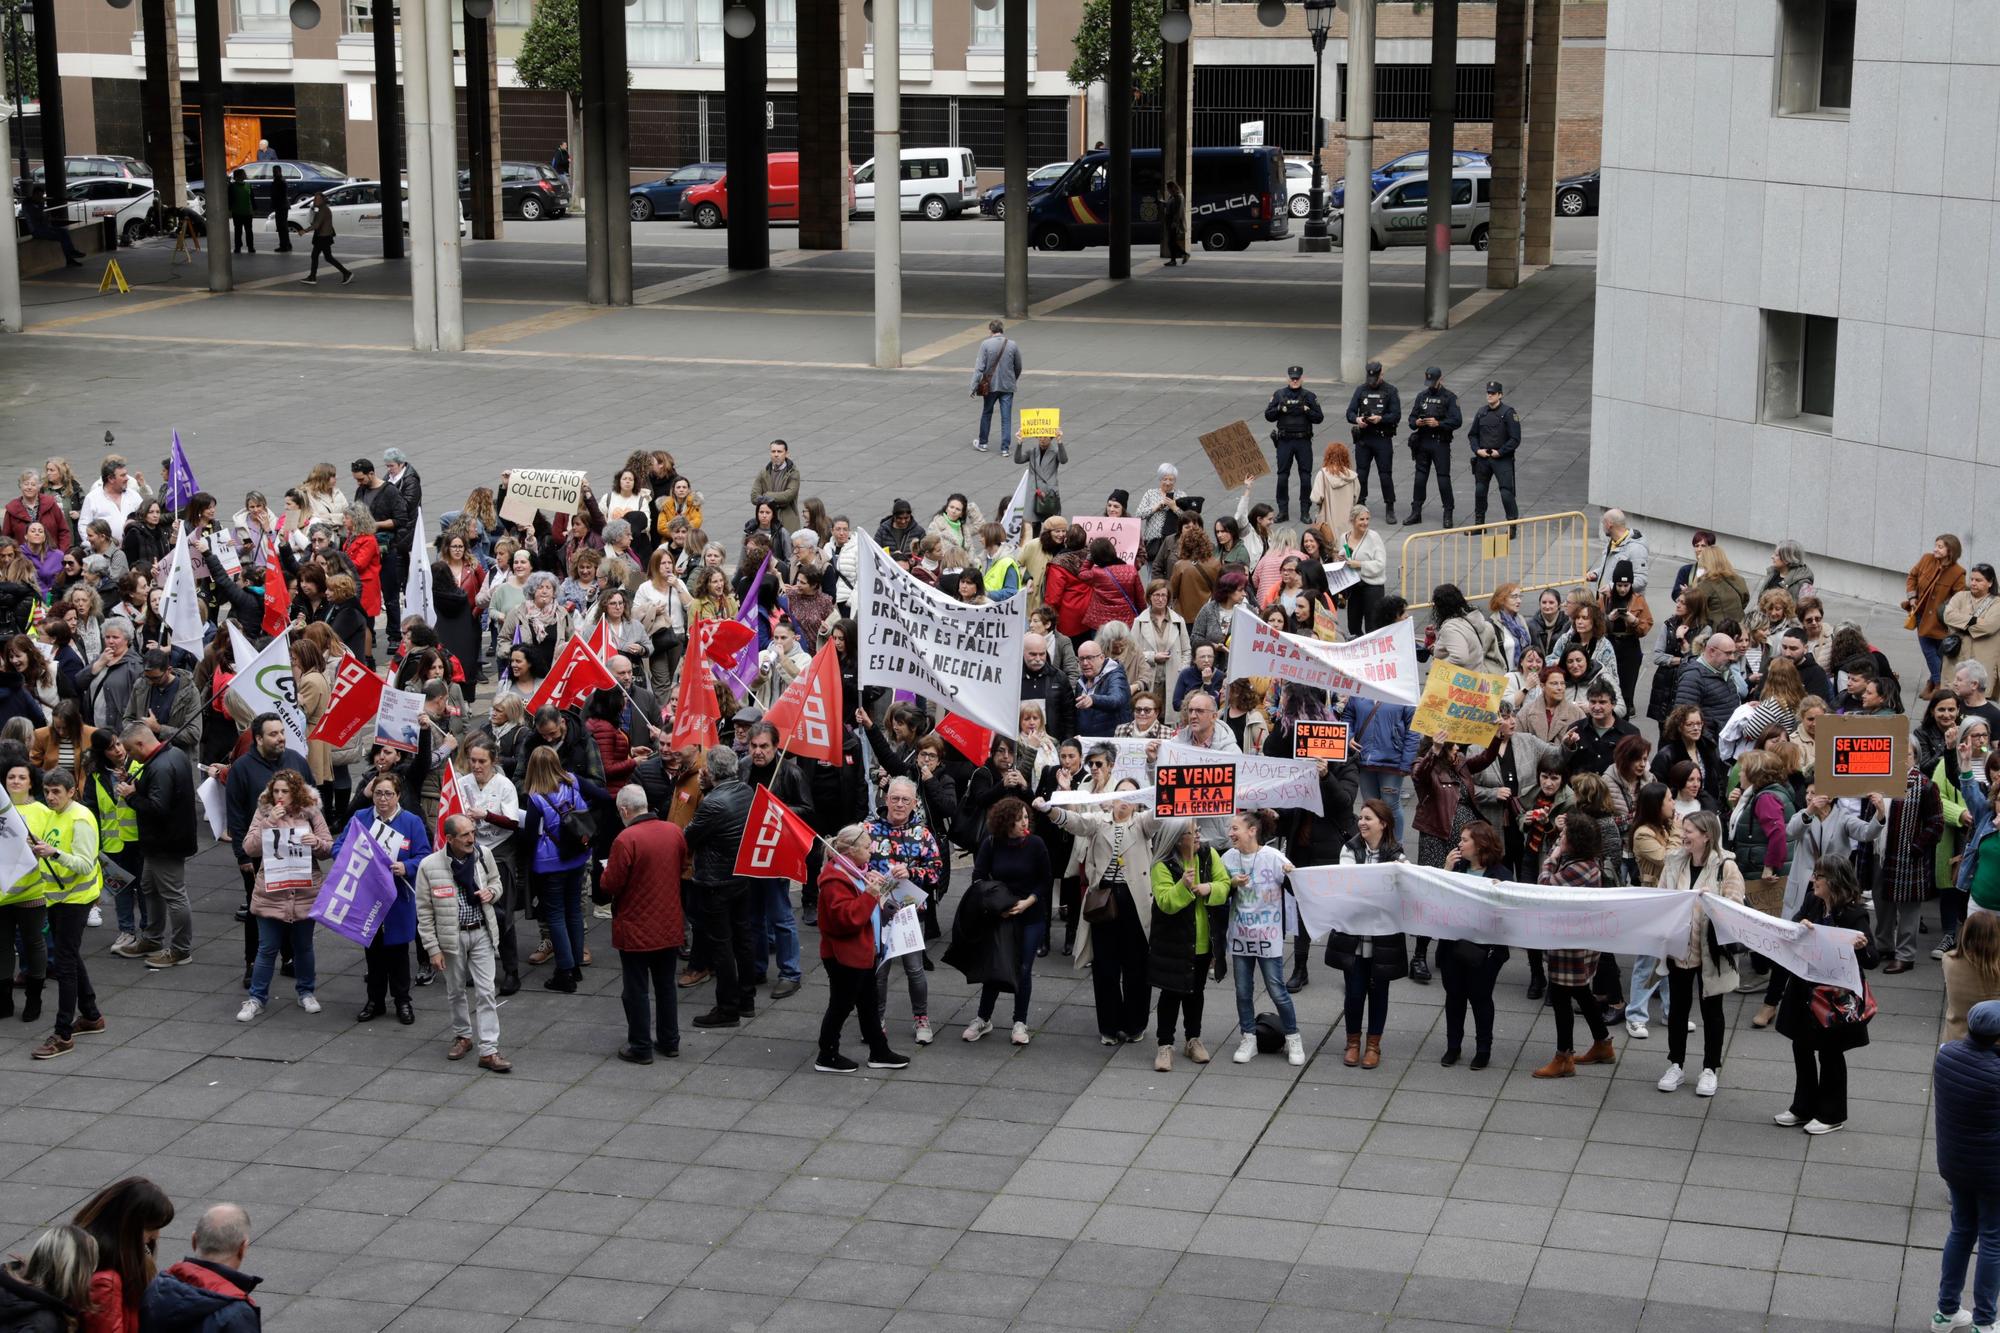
1186 883
241 211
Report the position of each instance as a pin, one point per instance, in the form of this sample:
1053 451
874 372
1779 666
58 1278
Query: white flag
417 600
17 859
181 610
1016 513
264 682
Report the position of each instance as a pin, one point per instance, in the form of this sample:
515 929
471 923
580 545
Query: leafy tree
21 74
1093 45
551 57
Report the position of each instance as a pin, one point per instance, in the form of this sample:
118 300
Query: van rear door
968 180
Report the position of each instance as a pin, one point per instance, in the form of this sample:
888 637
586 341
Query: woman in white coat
1700 865
1160 638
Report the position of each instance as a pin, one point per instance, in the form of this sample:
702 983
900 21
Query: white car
1299 184
937 183
357 208
1400 214
97 197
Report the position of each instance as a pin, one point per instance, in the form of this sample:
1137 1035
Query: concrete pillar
746 155
481 114
159 114
1014 158
214 150
1177 127
823 166
1510 69
1444 134
888 90
1118 112
417 165
614 182
10 243
54 145
1544 105
596 233
1355 230
388 126
448 274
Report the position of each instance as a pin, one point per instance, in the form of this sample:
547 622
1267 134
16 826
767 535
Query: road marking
552 322
697 282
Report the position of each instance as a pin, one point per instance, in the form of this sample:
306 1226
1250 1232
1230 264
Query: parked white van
938 183
1401 213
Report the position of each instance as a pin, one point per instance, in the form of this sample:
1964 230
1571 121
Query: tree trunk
574 129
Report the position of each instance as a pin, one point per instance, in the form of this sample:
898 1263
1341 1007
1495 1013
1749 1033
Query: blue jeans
125 901
1933 656
1034 929
272 934
1273 970
562 909
1647 976
1387 787
1973 1216
779 930
1004 403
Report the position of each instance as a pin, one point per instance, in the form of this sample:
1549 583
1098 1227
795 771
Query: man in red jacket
642 881
208 1292
34 506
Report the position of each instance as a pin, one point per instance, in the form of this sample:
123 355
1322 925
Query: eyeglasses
1099 763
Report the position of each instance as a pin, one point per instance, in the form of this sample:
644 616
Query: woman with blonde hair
59 480
1971 971
1362 548
1700 866
324 502
1728 594
48 1289
1336 485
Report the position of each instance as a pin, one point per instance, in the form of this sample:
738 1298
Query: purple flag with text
181 484
359 889
740 676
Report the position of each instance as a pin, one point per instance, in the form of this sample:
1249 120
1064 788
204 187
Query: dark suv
528 190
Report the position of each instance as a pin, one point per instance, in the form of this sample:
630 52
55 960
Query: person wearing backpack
558 824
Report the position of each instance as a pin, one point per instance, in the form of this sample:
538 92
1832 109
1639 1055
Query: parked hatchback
1576 196
528 190
303 179
1408 164
1401 213
662 198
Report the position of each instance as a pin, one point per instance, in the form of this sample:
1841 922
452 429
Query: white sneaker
1020 1037
1821 1127
924 1033
977 1028
309 1003
1943 1323
123 942
1704 1086
249 1011
96 917
1672 1079
1245 1049
1635 1028
1295 1050
1786 1120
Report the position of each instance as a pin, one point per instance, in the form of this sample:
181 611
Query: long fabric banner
1280 784
1822 954
1382 665
964 658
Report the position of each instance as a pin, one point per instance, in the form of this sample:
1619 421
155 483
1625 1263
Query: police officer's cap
1433 374
1493 386
1374 367
1296 373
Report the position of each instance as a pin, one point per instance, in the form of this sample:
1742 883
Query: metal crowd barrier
1545 551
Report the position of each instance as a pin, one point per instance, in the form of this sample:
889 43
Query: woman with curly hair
1336 486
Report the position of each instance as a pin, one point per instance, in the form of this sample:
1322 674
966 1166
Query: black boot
1420 966
1298 981
1069 935
31 1007
564 980
1414 517
1447 520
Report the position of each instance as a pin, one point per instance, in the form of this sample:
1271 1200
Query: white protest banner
1016 513
529 489
288 862
1823 954
398 724
965 658
1131 761
417 599
902 933
214 805
1382 665
1123 532
17 858
264 682
1143 797
1444 904
180 611
1261 781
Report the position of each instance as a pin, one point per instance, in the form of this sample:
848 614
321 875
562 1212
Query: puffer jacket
197 1296
717 829
293 904
1381 732
437 900
1709 690
1965 1088
1470 641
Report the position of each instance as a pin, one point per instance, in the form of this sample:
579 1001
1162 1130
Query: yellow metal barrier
1546 551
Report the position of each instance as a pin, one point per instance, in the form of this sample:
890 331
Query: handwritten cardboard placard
1191 791
1857 756
1123 532
529 489
1238 458
1458 705
1041 423
1320 740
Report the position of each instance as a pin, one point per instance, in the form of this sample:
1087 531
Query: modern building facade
1797 327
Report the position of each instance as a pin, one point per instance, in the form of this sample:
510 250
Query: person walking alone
242 211
1293 412
323 234
995 374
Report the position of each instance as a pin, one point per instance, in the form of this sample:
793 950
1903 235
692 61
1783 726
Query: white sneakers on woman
1705 1085
1672 1079
1245 1049
249 1011
1020 1034
977 1028
1295 1049
309 1003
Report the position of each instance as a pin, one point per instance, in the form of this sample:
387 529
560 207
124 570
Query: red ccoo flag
776 842
356 698
277 597
967 737
599 640
696 712
807 715
720 641
576 673
451 801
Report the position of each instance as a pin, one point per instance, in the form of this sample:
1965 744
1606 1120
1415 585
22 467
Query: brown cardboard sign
1320 740
1237 456
1856 755
1190 791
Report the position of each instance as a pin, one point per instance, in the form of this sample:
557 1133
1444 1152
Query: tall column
888 185
1510 61
616 178
56 189
823 194
388 126
480 166
1444 133
214 150
1544 106
10 245
596 229
417 166
449 276
743 79
1177 123
1118 111
1014 157
1355 230
159 111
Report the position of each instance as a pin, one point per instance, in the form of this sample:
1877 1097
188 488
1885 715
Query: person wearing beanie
1117 504
1966 1087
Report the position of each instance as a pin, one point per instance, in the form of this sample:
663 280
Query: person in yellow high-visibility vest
24 902
66 839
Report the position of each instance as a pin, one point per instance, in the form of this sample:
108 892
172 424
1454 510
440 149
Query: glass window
1815 65
781 21
915 18
1408 195
989 26
1461 191
674 32
273 16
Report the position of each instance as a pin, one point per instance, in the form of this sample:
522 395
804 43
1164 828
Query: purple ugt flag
743 674
359 889
181 484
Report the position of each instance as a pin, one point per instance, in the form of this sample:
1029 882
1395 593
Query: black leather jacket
717 831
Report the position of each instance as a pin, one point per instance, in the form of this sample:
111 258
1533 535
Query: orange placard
1320 740
1190 791
1863 756
1859 755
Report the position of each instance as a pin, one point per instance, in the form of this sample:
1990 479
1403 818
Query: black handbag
1950 644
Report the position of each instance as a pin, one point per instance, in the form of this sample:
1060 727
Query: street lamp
1319 18
738 21
1175 25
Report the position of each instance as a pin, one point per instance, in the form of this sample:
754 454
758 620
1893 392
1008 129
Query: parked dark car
528 190
1416 163
993 202
662 198
302 180
1576 196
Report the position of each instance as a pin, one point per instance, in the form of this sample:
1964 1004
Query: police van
1400 214
1239 196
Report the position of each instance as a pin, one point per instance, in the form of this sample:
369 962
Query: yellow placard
112 275
1458 705
1041 423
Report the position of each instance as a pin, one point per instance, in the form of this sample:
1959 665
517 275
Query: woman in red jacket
365 553
1115 591
849 897
125 1219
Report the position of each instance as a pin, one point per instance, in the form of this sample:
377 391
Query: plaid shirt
1571 967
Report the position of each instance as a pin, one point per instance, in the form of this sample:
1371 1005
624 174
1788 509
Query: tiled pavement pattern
1061 1186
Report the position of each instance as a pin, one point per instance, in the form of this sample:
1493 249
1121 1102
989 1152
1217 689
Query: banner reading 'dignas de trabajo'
1382 665
965 658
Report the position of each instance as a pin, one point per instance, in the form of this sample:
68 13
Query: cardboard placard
1041 423
1191 791
1123 532
1320 740
1857 756
558 490
1459 706
1237 456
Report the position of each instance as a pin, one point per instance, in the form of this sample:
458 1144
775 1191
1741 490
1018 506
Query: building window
674 32
915 16
1815 57
781 24
1799 355
264 16
989 26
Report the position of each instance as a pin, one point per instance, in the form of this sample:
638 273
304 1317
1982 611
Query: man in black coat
1811 674
1588 745
162 796
639 715
1495 435
774 929
1293 412
1375 410
1041 682
1434 418
571 740
714 836
243 782
393 531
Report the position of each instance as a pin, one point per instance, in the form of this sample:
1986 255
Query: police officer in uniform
1495 435
1434 419
1294 410
1374 411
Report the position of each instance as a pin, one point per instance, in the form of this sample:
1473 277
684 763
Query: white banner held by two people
965 658
1381 666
